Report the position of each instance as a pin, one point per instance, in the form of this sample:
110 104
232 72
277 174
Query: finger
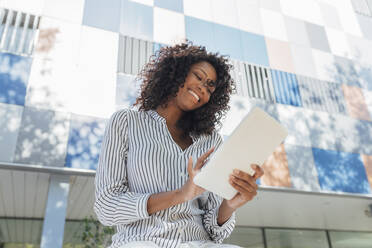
189 165
244 176
259 171
239 188
244 184
201 160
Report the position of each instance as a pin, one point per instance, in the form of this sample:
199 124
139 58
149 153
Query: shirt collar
160 118
156 116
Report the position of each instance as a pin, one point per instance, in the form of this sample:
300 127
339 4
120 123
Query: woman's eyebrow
205 74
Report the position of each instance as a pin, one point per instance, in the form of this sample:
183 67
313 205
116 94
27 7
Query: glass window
246 237
350 239
17 31
20 233
281 238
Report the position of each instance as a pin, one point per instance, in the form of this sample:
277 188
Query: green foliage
94 234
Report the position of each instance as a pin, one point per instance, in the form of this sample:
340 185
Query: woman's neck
171 114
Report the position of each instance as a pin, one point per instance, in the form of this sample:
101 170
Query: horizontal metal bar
47 169
92 173
322 193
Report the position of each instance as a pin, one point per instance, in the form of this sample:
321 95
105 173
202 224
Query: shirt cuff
226 225
142 206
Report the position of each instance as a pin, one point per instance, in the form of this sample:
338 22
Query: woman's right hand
190 190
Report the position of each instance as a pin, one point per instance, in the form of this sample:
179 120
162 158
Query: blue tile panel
350 73
200 32
84 142
14 74
254 48
226 40
127 90
137 20
341 171
102 14
286 88
175 5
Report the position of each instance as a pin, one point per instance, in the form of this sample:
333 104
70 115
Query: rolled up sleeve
216 232
211 207
114 203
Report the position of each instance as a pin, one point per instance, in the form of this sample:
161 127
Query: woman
144 181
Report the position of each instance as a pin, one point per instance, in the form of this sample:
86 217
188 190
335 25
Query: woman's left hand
246 186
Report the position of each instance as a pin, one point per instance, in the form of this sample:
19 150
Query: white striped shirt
138 158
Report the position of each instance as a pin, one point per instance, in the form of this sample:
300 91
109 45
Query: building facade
66 66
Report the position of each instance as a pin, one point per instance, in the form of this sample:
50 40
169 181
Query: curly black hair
166 72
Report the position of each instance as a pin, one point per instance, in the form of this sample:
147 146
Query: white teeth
195 95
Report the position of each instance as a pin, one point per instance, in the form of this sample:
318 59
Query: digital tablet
252 142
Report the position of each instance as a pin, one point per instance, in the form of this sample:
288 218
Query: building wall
307 63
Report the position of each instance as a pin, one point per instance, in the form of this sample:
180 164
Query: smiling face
198 88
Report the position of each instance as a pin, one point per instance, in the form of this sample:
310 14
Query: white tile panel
368 98
361 50
96 73
324 65
303 60
10 121
68 10
202 11
296 31
249 16
338 42
270 4
306 10
224 12
33 7
58 40
145 2
273 24
174 23
349 21
296 121
330 15
53 70
239 108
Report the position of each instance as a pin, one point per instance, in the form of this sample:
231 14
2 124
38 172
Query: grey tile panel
42 137
302 168
317 36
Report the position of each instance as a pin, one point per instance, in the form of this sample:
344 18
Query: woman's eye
197 76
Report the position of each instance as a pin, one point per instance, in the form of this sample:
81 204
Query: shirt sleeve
114 203
211 207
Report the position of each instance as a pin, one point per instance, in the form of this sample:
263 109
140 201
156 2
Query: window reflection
351 239
246 237
281 238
